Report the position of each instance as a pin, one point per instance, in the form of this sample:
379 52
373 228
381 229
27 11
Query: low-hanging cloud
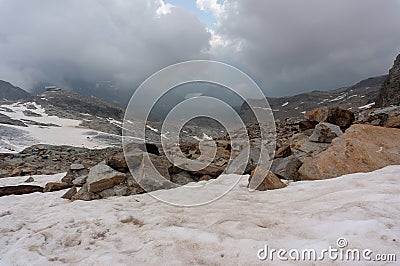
291 46
93 40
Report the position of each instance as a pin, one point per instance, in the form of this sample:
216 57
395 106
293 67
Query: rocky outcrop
390 92
363 148
385 117
11 92
334 115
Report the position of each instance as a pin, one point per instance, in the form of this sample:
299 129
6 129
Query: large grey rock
153 173
181 178
102 177
303 148
325 133
286 168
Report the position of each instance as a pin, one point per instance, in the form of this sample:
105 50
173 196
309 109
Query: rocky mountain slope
357 97
390 93
11 92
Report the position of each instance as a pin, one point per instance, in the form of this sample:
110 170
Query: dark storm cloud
91 40
290 46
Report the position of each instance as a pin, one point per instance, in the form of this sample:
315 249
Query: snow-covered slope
61 131
43 229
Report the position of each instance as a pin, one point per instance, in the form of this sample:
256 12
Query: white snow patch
43 229
338 98
286 103
151 128
367 106
69 131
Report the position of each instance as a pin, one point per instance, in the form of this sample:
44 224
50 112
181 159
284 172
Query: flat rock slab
19 190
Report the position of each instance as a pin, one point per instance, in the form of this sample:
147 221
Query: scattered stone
102 177
270 182
55 186
80 181
205 178
70 193
76 167
325 133
363 148
19 190
286 168
283 151
117 161
16 172
182 178
304 125
29 180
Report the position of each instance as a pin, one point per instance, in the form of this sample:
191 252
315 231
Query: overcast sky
287 46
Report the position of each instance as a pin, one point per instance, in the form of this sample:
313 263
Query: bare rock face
325 133
363 148
271 181
334 115
390 92
385 117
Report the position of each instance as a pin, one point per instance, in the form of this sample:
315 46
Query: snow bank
44 229
68 133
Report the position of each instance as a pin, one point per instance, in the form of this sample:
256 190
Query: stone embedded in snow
181 178
76 167
362 148
70 193
334 115
102 177
19 190
270 182
325 133
29 180
55 186
153 172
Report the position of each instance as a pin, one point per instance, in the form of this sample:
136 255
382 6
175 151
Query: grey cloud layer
288 46
93 40
313 44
